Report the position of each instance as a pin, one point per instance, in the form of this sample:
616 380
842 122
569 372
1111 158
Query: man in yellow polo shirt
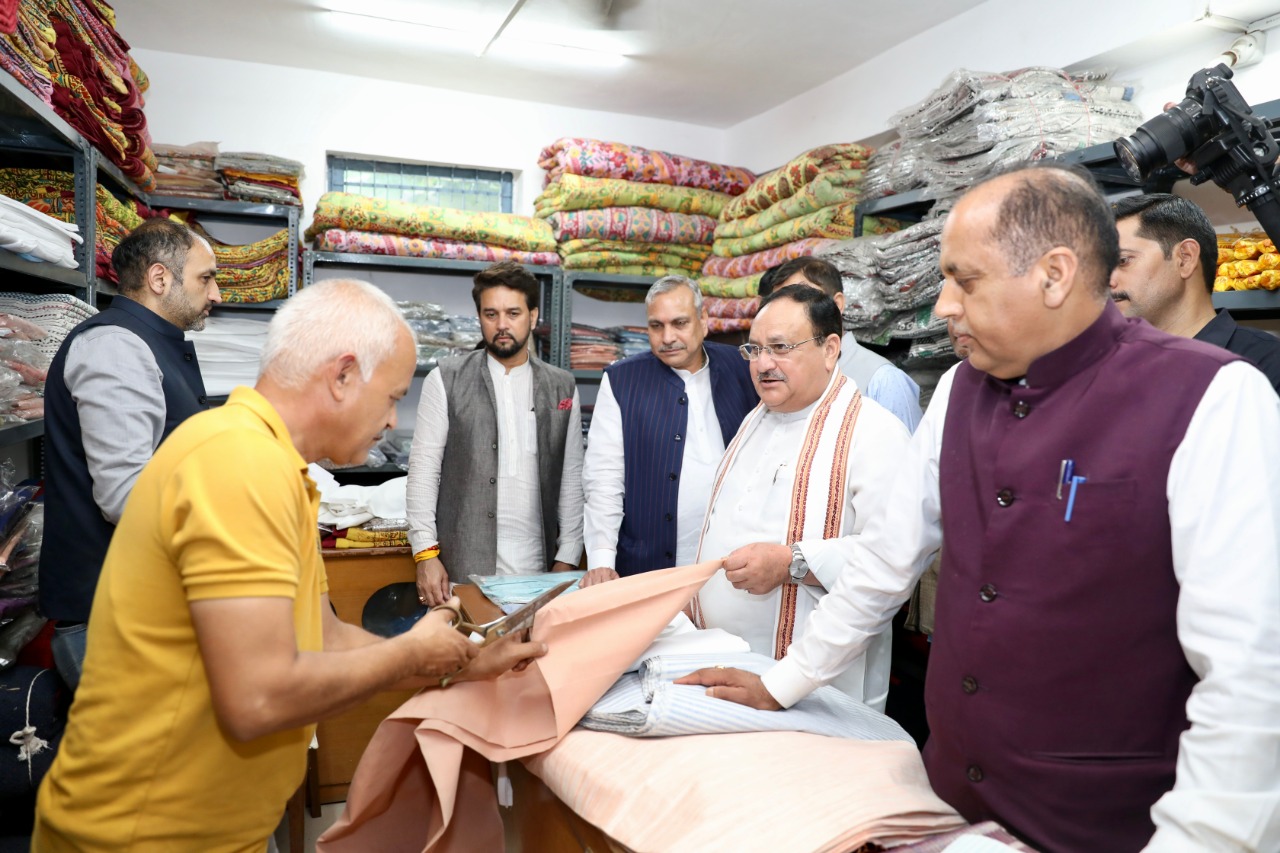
213 648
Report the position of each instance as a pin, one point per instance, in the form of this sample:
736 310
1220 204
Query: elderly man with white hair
213 648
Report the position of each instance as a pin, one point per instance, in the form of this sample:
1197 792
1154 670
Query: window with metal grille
441 186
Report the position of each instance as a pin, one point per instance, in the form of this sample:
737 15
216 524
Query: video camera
1215 129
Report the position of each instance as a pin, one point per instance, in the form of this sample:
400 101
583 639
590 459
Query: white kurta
753 505
1224 518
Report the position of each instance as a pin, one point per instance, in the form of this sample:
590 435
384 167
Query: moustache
672 348
1119 295
772 374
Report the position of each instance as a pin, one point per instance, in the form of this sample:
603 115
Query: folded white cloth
648 704
27 231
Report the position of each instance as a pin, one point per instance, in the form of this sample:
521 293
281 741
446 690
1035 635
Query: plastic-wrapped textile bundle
963 90
1247 262
632 339
601 159
978 121
894 168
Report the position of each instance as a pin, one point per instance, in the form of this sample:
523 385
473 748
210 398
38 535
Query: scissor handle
457 621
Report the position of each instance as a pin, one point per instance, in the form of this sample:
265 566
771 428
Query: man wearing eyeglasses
805 470
118 385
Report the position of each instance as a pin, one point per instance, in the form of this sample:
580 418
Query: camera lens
1170 135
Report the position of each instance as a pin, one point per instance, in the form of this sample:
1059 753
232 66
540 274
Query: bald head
1043 206
1027 256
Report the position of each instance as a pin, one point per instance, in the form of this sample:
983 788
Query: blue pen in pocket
1071 496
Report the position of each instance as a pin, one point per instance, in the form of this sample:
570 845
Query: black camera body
1215 130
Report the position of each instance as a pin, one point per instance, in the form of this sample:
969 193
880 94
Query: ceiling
705 62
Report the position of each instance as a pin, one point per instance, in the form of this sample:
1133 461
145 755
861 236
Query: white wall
304 114
998 35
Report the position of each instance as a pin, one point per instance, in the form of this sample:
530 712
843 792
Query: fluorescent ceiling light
556 54
408 32
461 39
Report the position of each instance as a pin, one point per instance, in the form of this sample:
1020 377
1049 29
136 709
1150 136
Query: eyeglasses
776 351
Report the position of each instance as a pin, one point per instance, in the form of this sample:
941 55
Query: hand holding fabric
513 652
441 649
433 582
733 685
600 574
759 568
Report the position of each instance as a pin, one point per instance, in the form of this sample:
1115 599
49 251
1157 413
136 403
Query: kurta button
1004 497
671 476
1021 409
494 445
491 515
969 684
974 773
493 480
679 437
987 593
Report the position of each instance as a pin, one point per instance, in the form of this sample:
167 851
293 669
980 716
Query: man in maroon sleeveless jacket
1106 664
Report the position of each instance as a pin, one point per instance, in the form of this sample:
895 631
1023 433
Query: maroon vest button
1004 497
987 593
974 773
969 685
1021 409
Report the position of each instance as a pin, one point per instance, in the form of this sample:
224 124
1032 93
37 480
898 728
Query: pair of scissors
512 623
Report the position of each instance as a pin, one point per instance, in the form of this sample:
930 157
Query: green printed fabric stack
647 226
791 212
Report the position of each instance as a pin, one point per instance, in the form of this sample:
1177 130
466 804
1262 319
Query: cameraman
1168 259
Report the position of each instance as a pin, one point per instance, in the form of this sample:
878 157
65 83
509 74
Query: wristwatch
799 566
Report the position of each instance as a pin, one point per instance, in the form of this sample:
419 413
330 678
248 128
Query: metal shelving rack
1102 163
288 214
562 325
550 278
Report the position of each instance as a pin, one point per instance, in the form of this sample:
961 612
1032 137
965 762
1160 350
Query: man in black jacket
1168 260
119 384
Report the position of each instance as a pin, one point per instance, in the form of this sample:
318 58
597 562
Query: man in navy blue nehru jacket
661 423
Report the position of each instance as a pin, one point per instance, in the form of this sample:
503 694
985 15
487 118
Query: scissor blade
523 618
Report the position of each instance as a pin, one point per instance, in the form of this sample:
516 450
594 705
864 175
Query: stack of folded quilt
68 53
791 212
1247 262
250 176
53 192
188 170
254 272
37 236
632 339
625 210
351 223
591 348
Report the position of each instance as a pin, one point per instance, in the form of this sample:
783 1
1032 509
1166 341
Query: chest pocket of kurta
779 486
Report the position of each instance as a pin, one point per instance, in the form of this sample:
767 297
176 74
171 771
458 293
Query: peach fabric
704 792
424 784
420 787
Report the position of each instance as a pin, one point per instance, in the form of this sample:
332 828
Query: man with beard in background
500 434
